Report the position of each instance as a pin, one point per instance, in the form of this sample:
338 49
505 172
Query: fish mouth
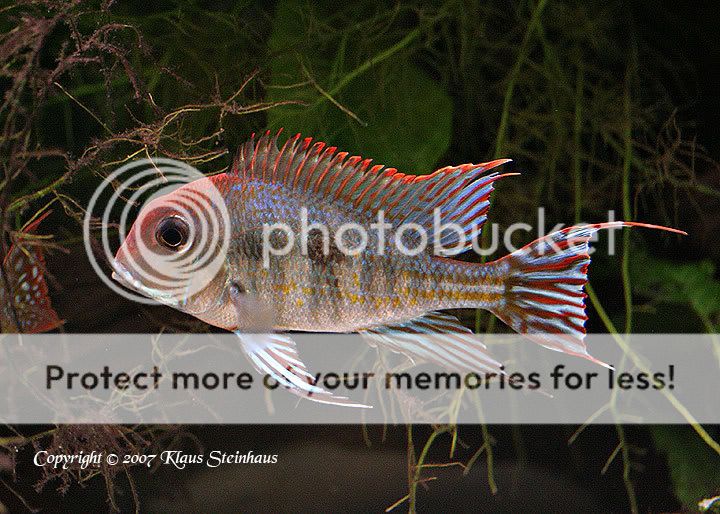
125 278
122 275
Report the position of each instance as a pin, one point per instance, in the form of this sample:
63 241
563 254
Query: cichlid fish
24 302
390 295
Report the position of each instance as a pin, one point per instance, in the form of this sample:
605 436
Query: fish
393 298
24 300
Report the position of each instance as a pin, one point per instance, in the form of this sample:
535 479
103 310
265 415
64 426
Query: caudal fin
544 284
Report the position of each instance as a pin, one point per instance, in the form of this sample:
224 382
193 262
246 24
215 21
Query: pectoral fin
276 355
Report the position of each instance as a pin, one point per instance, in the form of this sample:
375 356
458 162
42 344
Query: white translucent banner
207 378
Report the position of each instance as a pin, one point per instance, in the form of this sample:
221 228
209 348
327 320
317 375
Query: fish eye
172 233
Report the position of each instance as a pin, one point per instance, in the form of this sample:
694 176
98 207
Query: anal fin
438 338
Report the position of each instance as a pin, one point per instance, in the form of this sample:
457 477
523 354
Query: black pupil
172 233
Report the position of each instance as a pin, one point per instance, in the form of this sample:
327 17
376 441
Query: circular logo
198 229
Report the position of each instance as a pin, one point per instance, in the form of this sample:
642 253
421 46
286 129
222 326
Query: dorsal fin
459 193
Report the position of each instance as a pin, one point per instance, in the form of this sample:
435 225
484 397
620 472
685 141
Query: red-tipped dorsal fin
460 194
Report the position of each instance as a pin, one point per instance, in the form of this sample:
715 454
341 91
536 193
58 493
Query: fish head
176 249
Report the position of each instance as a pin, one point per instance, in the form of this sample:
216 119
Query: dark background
424 101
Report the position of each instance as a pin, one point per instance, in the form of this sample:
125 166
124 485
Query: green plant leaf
372 101
694 469
673 282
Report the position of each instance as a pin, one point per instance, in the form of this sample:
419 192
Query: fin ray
460 193
438 338
276 355
544 283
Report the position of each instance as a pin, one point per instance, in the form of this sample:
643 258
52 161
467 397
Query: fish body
24 302
309 290
315 204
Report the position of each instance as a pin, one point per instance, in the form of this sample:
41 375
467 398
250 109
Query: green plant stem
622 443
411 463
505 115
22 201
412 35
627 211
489 459
514 73
714 445
577 132
487 447
625 451
415 480
84 108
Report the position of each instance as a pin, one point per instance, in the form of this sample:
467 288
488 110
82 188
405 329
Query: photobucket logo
177 243
444 239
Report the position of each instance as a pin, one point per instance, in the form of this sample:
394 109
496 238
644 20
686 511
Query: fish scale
367 292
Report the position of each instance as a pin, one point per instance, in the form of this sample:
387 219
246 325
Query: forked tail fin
544 284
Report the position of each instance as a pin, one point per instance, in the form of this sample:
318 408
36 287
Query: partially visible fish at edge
394 299
24 302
